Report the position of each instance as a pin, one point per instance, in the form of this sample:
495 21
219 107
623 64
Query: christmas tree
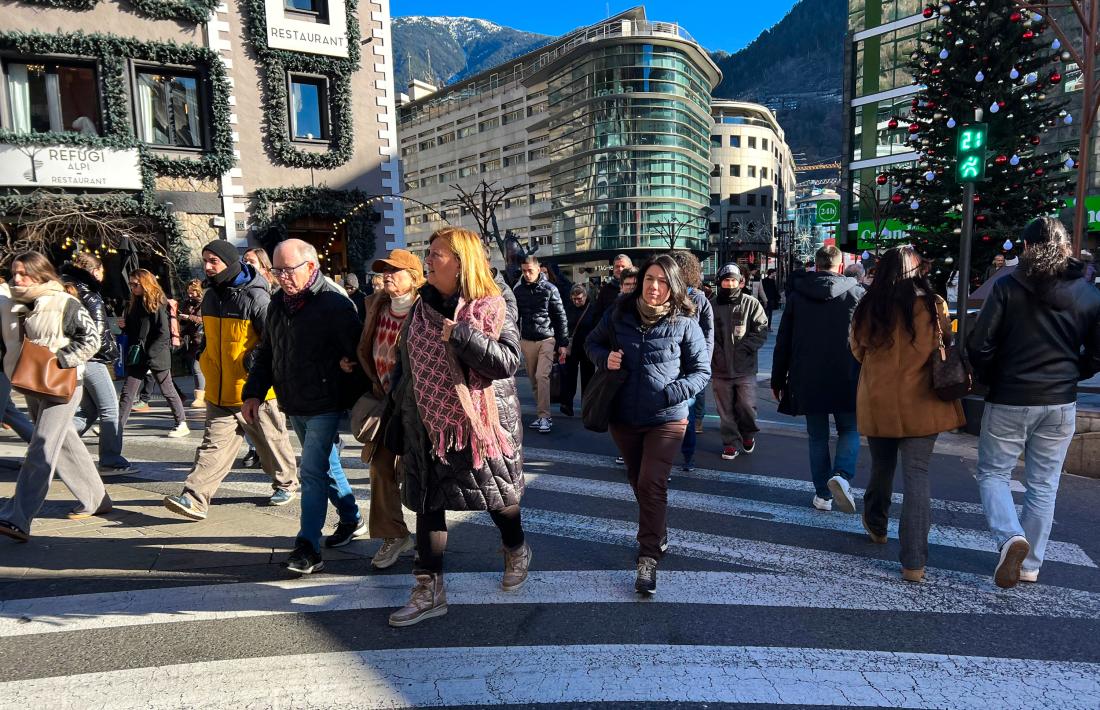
985 60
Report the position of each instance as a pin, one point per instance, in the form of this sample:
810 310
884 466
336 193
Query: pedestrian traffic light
970 152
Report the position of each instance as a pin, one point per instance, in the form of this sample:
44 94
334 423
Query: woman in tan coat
894 335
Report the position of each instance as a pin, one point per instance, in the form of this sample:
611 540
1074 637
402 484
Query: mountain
456 47
796 67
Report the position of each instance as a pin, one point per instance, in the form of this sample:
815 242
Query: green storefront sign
828 212
890 231
1092 210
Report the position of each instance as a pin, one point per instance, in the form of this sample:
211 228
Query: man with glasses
233 310
309 354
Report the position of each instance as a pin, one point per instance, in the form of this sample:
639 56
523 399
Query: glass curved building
603 135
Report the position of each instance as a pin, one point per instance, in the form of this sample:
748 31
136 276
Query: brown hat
399 259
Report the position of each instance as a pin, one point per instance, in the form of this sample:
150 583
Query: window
764 200
717 171
309 109
490 166
464 131
735 199
764 173
735 171
445 138
752 141
735 141
763 144
538 153
467 171
716 141
53 97
313 7
752 200
752 171
517 159
488 125
513 116
540 108
425 145
715 199
169 113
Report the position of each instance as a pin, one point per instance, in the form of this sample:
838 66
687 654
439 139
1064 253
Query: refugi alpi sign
285 31
69 166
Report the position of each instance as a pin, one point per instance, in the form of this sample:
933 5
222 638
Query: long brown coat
895 398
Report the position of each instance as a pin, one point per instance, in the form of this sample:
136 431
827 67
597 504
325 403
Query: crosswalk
761 601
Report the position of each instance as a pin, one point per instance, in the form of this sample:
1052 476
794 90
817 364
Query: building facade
817 215
752 182
601 138
177 123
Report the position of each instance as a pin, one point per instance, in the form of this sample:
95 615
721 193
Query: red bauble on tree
881 179
896 198
892 123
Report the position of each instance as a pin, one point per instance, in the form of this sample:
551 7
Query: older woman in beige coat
893 336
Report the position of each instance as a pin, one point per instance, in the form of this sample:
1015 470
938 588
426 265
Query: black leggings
431 534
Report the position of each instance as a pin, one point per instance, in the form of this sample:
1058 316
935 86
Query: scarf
297 301
726 296
28 294
401 305
459 410
228 276
651 314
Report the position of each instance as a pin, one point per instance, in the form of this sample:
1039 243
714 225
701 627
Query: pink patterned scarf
459 410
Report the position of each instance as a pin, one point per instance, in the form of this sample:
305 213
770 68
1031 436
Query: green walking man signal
970 152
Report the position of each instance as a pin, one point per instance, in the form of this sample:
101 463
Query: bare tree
482 204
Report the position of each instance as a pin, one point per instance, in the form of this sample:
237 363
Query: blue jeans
1043 435
687 447
321 476
101 402
10 414
822 468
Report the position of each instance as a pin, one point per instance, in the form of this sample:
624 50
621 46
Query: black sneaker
346 532
646 582
251 459
566 410
304 559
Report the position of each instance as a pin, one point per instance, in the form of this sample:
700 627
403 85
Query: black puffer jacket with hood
1031 349
812 364
89 290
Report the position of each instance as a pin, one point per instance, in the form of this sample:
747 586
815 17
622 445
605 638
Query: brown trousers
649 453
538 356
386 518
225 430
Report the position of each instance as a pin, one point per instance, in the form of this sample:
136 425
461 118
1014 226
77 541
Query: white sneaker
537 424
1029 575
842 494
822 504
180 431
545 424
1013 553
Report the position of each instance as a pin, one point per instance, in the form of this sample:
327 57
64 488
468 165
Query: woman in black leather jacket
100 400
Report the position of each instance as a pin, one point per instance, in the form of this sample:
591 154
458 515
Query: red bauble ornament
1029 35
980 219
1015 17
986 238
1001 159
914 128
893 123
928 11
881 179
1039 172
896 198
1001 104
1035 140
936 72
914 103
1055 78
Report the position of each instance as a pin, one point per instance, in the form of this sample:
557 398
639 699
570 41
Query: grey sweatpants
54 447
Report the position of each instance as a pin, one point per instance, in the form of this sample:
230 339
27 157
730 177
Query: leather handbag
951 376
38 374
602 388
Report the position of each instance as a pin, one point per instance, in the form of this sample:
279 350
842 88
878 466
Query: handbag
135 355
366 417
555 383
37 373
951 376
600 396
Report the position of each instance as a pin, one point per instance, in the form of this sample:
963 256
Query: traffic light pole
963 290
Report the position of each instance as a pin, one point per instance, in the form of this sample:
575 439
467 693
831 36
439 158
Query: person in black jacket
1038 334
581 314
544 333
100 401
815 375
149 336
772 297
308 353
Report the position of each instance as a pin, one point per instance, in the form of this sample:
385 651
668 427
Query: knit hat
229 256
351 281
729 270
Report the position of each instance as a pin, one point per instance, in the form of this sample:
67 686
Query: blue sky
716 25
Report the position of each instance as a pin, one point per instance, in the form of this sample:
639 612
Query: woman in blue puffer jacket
665 356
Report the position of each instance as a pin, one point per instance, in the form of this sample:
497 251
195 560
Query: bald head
294 264
296 251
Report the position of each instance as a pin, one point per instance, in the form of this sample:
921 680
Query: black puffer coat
541 313
454 484
300 354
89 289
152 330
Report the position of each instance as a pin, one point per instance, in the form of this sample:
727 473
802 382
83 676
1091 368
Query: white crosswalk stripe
717 560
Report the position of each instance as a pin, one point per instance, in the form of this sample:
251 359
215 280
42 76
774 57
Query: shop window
317 10
308 108
169 109
52 97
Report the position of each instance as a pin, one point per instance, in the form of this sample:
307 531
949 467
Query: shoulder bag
602 388
37 373
951 377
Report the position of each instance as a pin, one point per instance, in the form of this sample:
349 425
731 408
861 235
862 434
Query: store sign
285 31
1092 210
828 211
69 166
891 230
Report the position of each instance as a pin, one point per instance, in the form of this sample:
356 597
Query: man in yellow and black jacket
234 308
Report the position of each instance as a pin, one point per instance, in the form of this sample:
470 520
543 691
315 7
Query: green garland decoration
276 208
276 103
194 11
112 53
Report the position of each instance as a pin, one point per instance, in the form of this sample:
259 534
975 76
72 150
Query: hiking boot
346 532
516 563
822 503
392 548
428 600
729 453
281 497
748 444
842 494
1013 553
183 505
646 582
304 559
180 431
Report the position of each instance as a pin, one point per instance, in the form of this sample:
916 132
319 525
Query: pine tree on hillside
987 55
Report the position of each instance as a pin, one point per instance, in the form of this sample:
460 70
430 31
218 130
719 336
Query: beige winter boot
200 399
428 600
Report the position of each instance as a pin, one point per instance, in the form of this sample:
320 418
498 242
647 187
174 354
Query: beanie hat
229 256
351 281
